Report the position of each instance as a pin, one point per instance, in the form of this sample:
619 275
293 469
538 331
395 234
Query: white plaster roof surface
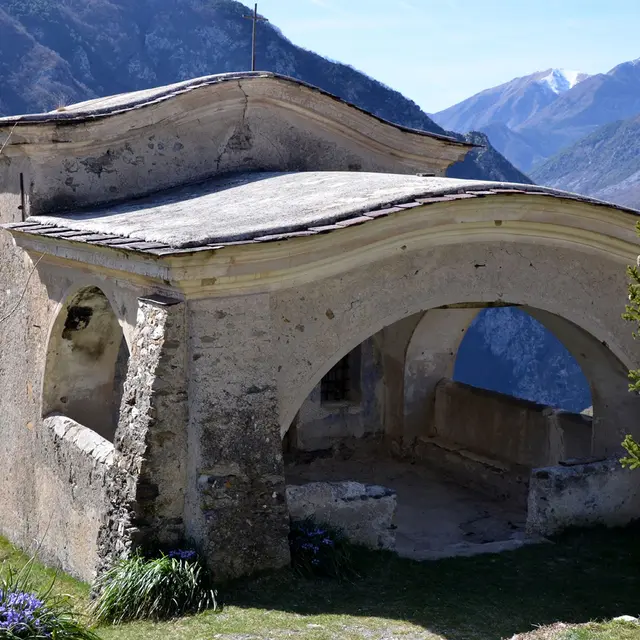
249 205
257 207
123 102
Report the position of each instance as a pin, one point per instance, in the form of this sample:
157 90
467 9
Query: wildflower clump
21 615
26 613
318 550
141 588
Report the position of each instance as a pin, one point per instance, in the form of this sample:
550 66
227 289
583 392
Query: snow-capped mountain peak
561 80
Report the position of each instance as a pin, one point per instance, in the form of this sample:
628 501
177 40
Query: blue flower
328 541
20 612
183 554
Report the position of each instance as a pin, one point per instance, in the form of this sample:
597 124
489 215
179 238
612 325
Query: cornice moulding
271 266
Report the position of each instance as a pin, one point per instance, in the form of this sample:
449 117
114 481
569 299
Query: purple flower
183 554
328 542
20 612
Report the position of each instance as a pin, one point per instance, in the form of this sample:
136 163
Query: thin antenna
23 200
255 18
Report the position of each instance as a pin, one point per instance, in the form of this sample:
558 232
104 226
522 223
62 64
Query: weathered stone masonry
146 493
236 503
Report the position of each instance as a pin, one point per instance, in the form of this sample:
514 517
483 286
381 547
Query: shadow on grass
583 576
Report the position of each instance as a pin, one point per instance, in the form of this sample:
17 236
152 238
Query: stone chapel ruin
214 289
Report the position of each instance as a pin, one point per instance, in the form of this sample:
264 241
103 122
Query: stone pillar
147 487
236 506
393 341
431 356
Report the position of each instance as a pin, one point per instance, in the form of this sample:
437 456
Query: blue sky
438 52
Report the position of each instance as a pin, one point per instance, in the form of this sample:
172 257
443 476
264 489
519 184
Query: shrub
26 612
632 314
318 550
140 588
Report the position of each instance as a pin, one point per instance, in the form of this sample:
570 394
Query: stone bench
363 512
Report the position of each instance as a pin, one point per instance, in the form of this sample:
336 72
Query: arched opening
508 351
459 458
87 360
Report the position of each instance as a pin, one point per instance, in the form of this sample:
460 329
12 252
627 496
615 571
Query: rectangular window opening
342 382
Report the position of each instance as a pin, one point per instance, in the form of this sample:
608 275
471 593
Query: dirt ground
435 517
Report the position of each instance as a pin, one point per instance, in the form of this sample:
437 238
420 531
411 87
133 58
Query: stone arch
606 374
87 359
366 299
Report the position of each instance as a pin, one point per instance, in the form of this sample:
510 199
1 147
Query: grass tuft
162 588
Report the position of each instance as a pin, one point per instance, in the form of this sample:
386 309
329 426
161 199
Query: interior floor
435 516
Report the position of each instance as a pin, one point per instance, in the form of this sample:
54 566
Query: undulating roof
123 102
259 207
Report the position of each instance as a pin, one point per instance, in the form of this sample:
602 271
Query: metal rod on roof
255 18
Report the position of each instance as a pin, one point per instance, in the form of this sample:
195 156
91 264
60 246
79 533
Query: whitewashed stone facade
231 321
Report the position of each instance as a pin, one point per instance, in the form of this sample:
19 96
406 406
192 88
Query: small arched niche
87 359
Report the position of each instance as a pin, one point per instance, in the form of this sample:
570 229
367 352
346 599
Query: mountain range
563 128
604 164
57 52
511 103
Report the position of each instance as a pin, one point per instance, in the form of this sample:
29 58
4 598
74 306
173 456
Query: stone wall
364 513
73 480
508 429
582 495
235 496
492 441
52 486
147 491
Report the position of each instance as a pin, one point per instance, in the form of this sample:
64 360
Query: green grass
584 576
42 576
590 631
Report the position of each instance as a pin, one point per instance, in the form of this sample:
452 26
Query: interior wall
323 424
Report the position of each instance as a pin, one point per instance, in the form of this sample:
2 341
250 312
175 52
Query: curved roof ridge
123 102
